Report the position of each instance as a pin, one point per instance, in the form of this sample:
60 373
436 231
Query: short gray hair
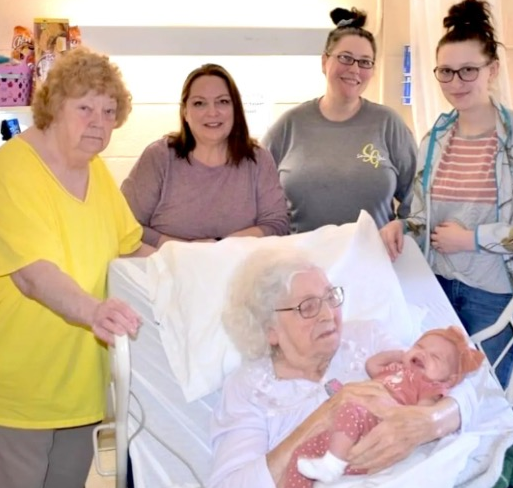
256 287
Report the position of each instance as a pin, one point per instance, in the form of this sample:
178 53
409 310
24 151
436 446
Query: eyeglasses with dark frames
311 307
347 60
465 73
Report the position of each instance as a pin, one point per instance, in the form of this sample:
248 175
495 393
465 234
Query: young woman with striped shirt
462 211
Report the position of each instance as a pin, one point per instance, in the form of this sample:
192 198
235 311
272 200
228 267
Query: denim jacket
494 237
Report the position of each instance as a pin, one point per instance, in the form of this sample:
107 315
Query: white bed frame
120 394
121 365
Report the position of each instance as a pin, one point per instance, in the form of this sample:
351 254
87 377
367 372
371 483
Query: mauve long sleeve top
194 201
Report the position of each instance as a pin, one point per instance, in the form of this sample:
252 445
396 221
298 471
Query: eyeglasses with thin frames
311 307
347 60
465 73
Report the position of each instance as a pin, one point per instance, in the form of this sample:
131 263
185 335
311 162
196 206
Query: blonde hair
74 74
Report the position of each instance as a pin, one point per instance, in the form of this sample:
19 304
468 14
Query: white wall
276 82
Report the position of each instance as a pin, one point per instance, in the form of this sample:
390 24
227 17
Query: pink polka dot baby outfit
406 386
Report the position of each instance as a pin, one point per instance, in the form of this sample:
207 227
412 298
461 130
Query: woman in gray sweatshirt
340 153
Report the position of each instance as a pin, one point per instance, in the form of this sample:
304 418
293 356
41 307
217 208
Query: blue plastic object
406 97
9 128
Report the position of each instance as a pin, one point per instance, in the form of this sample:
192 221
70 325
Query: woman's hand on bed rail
114 317
392 236
45 282
402 429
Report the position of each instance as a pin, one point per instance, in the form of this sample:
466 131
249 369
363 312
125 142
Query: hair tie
344 22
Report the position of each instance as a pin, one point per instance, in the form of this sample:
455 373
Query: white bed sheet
185 426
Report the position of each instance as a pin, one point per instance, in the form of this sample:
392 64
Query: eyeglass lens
311 307
349 61
467 73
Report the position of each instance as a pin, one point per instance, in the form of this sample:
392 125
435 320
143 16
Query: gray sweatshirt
332 170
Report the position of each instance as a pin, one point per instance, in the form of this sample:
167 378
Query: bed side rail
119 389
504 320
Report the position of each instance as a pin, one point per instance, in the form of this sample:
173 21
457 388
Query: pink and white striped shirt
466 172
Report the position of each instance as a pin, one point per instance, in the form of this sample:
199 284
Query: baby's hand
376 364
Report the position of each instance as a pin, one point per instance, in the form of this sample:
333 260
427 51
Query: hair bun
342 17
474 14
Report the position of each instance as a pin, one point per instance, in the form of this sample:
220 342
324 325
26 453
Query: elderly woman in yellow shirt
62 220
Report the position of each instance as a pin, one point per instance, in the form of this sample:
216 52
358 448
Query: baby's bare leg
345 434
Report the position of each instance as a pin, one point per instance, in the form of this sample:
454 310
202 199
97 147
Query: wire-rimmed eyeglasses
311 307
465 73
347 60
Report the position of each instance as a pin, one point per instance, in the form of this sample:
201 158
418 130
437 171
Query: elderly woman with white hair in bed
284 317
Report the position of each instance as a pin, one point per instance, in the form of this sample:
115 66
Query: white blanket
434 465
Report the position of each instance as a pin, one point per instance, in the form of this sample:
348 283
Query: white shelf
210 41
18 109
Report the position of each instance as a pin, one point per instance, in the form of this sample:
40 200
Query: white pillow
188 284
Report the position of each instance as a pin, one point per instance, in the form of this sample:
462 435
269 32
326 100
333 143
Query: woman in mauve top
210 180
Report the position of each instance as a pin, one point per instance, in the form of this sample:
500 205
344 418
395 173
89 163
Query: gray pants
58 458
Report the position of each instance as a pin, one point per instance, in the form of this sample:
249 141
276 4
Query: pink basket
15 84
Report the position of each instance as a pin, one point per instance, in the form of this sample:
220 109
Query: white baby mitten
326 469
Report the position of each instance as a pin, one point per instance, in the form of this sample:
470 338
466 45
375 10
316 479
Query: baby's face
435 356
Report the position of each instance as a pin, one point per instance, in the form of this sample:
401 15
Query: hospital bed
168 435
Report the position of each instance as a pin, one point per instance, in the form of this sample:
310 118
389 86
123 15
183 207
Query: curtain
425 31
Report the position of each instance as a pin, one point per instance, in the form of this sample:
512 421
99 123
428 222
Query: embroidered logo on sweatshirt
371 155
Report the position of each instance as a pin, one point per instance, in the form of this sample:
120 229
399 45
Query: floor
107 461
97 481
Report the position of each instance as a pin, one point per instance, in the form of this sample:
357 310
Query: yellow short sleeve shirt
53 373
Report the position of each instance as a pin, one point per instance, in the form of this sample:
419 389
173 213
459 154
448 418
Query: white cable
142 426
